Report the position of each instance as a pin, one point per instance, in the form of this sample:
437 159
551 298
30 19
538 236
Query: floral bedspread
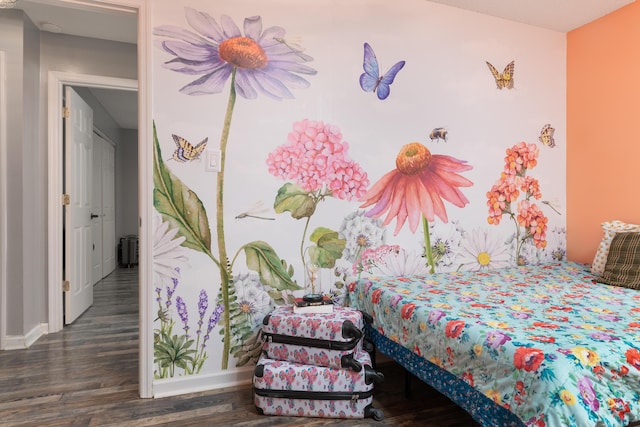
545 342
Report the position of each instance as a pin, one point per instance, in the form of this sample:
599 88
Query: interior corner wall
603 128
34 199
12 42
127 184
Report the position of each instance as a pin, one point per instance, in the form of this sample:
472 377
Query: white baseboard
20 342
191 384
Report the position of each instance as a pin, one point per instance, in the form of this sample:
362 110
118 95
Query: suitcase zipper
314 395
310 342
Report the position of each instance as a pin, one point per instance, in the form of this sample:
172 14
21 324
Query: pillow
610 229
623 262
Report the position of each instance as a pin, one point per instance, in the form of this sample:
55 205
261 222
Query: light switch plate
212 160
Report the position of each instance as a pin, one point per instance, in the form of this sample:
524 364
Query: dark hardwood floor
87 375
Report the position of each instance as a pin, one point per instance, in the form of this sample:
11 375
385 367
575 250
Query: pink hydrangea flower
315 158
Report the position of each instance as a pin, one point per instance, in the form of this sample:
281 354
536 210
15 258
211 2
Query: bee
438 134
546 136
185 152
504 79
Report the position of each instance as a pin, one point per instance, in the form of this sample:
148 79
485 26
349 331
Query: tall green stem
519 242
427 245
304 234
222 248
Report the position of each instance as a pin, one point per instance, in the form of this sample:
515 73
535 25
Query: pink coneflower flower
417 187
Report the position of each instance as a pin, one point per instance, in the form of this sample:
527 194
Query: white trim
106 6
20 342
3 201
192 384
145 180
145 199
57 80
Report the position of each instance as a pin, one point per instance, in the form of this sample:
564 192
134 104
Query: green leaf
263 259
178 205
294 199
278 297
329 247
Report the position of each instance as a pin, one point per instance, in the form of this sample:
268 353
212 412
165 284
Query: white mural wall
366 137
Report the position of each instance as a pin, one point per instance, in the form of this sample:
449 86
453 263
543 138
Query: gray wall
127 184
34 198
30 56
19 39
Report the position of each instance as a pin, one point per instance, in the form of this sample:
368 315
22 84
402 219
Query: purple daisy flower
263 60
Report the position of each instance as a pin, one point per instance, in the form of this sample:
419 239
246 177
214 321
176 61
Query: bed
536 346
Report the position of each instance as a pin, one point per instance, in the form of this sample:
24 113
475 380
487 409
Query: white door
96 212
78 160
108 208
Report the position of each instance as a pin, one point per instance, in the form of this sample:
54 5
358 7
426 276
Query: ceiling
116 24
557 15
120 24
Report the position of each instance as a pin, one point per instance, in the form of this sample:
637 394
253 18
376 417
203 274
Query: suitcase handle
349 330
372 376
349 362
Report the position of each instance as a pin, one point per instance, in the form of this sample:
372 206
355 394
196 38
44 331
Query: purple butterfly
371 80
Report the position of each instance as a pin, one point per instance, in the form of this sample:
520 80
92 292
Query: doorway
56 81
89 252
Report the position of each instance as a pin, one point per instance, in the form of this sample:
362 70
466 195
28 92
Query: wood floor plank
87 375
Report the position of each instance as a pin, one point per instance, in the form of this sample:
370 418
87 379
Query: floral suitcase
321 339
294 389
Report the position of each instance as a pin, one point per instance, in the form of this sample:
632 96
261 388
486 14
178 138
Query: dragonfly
294 47
553 205
255 211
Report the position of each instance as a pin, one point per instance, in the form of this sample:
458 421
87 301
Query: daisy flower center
362 241
413 158
246 307
242 52
484 259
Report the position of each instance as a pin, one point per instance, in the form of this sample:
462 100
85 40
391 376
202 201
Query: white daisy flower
482 250
446 241
361 233
252 298
557 244
556 249
403 263
168 254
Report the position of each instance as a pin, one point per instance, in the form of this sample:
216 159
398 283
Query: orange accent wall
603 128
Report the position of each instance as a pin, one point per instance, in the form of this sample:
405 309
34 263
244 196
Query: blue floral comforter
545 342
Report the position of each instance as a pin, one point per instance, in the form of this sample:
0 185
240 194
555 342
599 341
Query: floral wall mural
325 149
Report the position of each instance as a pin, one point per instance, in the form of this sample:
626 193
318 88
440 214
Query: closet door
103 229
96 211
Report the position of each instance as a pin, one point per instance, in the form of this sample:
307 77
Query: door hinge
66 112
66 286
66 199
